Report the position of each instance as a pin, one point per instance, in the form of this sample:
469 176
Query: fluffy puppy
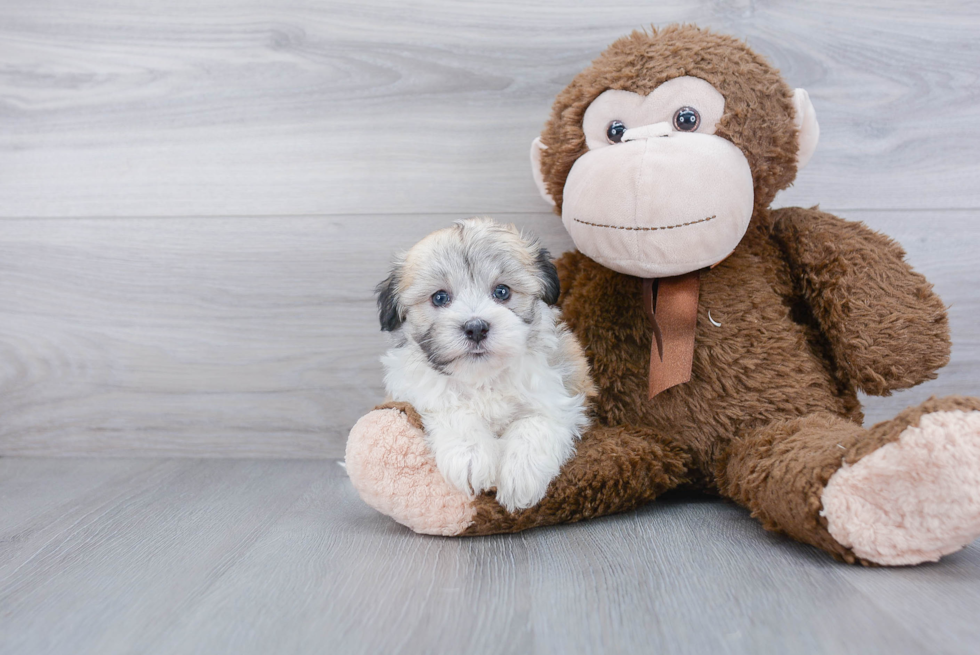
481 354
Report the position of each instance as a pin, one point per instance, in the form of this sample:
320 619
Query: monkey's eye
501 293
440 298
687 119
614 131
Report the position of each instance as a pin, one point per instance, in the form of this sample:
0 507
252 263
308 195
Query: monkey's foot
394 472
912 500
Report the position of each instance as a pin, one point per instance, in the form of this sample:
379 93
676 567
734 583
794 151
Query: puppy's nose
476 329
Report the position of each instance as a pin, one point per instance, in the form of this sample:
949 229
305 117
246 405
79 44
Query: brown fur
614 470
812 309
780 471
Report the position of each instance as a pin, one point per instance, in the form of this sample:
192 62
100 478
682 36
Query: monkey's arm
886 327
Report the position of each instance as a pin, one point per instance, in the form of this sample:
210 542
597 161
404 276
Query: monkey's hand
886 328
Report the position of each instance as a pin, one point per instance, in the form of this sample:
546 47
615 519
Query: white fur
505 413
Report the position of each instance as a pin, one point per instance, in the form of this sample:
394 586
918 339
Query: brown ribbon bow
671 304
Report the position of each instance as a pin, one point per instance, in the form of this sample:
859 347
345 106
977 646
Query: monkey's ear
536 147
548 274
808 131
389 313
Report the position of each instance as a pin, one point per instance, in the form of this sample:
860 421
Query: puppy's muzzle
476 329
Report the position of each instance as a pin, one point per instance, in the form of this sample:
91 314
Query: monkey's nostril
476 329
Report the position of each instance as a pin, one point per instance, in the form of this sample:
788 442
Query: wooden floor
196 200
109 556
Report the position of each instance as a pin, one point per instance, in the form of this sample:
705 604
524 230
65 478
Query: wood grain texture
227 108
262 556
258 337
196 200
246 336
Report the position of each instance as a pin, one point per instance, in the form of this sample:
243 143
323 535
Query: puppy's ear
389 313
548 275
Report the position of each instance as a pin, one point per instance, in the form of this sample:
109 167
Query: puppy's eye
614 131
440 298
501 293
687 119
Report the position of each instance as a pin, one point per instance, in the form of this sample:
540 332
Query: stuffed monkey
727 340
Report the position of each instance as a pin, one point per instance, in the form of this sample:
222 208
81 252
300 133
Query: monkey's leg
392 469
613 470
902 492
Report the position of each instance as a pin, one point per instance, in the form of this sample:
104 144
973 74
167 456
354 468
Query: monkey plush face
658 193
657 155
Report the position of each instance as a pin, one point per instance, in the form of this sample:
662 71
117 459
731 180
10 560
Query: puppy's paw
525 473
534 451
521 484
469 466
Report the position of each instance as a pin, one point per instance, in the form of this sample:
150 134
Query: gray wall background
196 198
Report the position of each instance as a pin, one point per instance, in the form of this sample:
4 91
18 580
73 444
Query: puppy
479 351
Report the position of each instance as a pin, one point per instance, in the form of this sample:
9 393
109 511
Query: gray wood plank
937 604
227 108
258 336
281 556
158 540
253 337
25 501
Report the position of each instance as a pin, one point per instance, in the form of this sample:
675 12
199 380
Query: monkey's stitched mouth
646 229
